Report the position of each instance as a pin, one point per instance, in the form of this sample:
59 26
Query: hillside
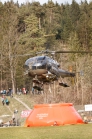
19 102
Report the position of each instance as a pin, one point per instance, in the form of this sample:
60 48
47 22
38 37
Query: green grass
82 131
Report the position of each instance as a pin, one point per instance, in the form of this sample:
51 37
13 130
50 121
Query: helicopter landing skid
37 88
63 84
37 85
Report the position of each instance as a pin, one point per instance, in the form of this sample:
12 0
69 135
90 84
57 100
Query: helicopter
44 69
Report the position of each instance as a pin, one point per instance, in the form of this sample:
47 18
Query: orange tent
53 114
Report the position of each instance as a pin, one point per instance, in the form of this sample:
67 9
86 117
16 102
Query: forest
32 27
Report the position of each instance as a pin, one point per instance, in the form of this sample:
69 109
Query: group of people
8 92
11 122
4 100
22 91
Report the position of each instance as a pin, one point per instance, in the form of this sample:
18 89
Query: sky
45 1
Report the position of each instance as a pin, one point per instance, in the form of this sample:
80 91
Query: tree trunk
11 69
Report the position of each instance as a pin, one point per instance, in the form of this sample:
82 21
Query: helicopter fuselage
45 69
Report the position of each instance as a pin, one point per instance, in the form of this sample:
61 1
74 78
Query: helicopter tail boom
64 73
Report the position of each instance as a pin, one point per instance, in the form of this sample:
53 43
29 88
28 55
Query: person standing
3 99
7 101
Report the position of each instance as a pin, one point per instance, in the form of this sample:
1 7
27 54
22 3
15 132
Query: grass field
81 131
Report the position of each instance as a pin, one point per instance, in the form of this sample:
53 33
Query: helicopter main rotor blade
63 51
73 51
52 52
23 55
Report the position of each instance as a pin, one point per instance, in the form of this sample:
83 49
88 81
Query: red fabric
51 114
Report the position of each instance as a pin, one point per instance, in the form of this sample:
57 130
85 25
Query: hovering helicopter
44 69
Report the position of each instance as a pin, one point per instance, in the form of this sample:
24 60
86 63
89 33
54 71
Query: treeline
31 27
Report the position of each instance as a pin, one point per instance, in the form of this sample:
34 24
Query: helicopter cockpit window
30 62
40 58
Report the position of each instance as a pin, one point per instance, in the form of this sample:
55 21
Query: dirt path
26 106
9 109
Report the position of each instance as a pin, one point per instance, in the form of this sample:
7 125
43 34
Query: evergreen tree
33 37
74 44
90 26
84 27
75 14
66 23
52 24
